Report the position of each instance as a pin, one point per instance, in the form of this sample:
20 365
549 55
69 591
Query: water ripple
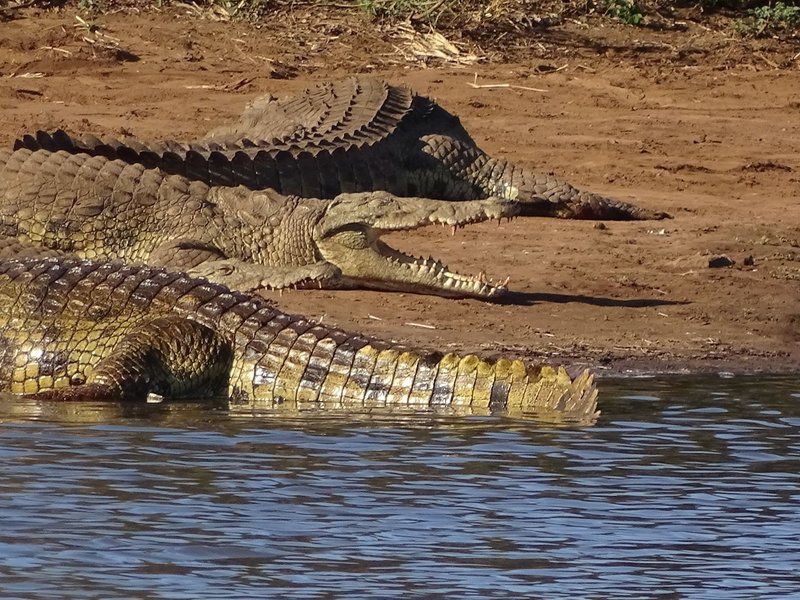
685 488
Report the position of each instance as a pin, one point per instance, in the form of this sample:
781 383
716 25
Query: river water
686 488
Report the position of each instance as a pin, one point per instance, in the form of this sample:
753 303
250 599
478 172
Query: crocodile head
348 235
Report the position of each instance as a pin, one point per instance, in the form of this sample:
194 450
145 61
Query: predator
97 208
73 329
354 135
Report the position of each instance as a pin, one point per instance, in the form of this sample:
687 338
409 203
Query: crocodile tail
315 173
517 389
60 140
174 158
332 370
398 378
166 155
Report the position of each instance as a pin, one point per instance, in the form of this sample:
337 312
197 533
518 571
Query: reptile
353 135
73 329
95 207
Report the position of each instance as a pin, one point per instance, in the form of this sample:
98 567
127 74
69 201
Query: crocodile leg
169 356
205 260
183 254
12 247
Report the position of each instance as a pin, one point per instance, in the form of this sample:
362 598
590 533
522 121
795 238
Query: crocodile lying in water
80 330
98 208
354 135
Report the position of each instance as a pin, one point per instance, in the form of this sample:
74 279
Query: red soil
684 122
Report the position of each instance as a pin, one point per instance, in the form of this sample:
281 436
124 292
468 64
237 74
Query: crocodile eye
353 237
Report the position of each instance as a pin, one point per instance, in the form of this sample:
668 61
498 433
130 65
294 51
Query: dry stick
422 325
505 85
475 85
766 60
54 49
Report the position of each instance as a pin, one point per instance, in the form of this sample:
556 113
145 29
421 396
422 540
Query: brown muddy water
686 488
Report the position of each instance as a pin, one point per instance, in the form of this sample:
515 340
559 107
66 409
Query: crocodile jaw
348 236
377 265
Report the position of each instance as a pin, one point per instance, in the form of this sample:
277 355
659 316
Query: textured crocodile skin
72 329
357 134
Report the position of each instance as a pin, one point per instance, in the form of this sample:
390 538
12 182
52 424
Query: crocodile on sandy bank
354 135
98 208
83 330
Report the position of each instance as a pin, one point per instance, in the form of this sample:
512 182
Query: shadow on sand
529 299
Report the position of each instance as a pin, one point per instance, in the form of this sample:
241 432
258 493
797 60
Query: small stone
601 226
749 261
718 262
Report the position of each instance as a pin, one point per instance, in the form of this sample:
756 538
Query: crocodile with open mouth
94 207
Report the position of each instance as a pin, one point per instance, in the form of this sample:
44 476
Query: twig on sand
771 63
477 86
422 325
227 87
63 51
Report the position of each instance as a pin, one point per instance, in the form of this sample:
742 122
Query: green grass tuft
772 19
625 11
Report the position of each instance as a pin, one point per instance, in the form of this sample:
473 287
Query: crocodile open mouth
366 261
404 272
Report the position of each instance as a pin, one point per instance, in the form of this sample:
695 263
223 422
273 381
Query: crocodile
75 329
353 135
95 207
